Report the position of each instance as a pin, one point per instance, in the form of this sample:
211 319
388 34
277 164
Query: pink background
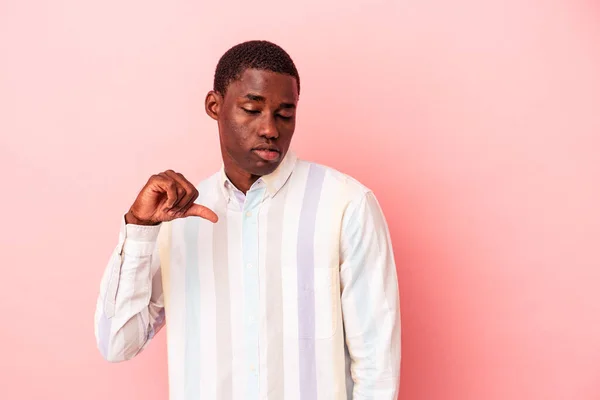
477 125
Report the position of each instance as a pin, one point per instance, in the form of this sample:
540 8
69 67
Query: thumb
196 210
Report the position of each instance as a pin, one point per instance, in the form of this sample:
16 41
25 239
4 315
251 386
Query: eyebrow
261 99
255 97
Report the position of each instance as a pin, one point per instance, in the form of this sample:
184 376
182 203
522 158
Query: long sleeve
129 309
370 301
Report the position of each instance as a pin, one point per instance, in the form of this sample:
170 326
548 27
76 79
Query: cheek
287 130
237 132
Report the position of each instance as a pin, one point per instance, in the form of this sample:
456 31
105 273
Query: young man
284 288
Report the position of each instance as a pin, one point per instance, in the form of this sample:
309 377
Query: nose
268 129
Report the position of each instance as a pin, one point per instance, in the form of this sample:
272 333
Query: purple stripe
306 290
104 326
158 322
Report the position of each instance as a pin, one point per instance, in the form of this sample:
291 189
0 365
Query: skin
256 118
257 111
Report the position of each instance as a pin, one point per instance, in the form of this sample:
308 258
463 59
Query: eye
285 117
251 112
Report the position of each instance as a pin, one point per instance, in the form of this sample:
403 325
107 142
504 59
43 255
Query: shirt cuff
139 240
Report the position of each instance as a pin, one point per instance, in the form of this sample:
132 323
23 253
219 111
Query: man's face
256 119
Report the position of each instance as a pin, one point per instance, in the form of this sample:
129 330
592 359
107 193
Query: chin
263 168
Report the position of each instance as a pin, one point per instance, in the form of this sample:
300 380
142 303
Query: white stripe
176 317
327 302
263 277
236 289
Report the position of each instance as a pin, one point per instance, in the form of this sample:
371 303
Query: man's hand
167 196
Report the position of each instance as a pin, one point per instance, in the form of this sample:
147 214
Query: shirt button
248 214
251 319
252 368
249 266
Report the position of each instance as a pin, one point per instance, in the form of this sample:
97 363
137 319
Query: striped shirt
291 295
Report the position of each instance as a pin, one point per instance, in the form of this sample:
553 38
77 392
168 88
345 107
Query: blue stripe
250 233
191 380
306 279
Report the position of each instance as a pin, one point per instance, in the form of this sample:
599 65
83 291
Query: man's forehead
264 83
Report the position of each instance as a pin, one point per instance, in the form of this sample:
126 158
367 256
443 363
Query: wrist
130 218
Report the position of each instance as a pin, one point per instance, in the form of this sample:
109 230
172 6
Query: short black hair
255 54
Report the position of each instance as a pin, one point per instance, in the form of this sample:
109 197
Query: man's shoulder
208 181
208 187
336 179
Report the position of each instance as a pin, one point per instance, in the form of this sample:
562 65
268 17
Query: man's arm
130 309
370 301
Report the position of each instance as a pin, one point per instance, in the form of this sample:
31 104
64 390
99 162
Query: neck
243 181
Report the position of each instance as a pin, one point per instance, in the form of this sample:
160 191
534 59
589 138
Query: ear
213 104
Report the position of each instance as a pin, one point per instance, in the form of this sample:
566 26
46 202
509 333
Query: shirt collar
273 181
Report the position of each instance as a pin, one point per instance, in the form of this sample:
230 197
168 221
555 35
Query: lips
267 153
